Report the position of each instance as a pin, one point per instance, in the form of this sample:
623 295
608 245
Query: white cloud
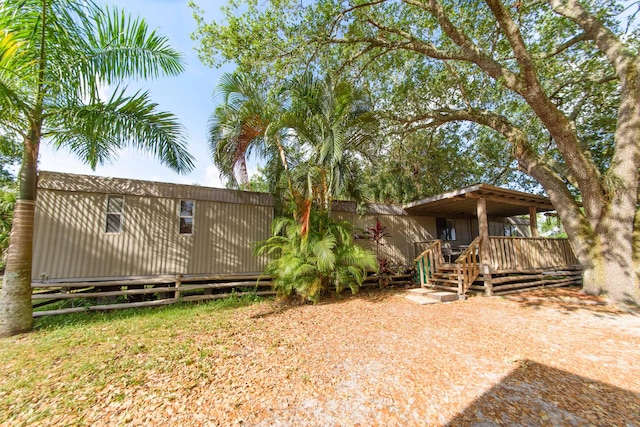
212 177
104 92
252 170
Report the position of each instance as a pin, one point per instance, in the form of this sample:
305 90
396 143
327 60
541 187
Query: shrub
309 263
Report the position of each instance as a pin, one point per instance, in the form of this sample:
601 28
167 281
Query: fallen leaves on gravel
375 359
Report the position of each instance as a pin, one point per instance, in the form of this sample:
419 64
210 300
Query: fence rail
113 293
429 262
513 254
469 262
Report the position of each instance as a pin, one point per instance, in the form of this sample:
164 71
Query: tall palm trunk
15 295
285 165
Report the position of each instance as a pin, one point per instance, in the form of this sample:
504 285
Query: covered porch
490 258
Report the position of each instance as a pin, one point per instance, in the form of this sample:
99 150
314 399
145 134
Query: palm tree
54 57
331 127
335 126
308 263
247 120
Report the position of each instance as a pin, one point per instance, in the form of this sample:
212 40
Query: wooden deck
512 264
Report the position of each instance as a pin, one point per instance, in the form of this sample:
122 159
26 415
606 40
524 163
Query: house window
510 230
186 216
115 207
445 229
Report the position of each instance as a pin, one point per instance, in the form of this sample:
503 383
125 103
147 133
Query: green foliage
259 182
312 132
309 264
335 132
376 44
54 58
9 157
10 151
552 227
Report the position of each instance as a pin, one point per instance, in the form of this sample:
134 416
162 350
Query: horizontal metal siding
225 235
70 240
65 240
103 185
404 231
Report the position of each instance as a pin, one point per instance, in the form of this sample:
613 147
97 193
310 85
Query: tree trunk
614 277
15 296
16 313
242 171
609 265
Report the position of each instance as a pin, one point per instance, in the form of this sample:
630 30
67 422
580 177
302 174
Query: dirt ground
377 359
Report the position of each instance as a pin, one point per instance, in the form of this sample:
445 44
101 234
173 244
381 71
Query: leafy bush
309 261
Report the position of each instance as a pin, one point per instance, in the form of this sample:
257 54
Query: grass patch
73 361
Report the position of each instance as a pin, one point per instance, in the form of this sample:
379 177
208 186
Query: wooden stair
456 277
446 278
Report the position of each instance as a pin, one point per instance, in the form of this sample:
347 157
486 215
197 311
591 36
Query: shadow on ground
536 394
566 300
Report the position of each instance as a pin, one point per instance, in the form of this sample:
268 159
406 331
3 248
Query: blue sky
188 96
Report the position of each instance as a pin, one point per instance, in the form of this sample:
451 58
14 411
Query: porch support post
485 256
533 221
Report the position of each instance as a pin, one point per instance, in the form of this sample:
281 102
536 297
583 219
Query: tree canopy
552 86
55 56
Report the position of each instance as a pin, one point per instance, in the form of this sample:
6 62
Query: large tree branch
469 51
512 32
342 14
409 43
604 38
579 162
581 165
564 46
626 158
529 162
585 79
558 50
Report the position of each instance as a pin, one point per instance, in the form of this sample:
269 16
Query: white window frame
120 214
181 216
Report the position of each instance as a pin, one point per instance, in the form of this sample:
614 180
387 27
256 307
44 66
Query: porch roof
501 202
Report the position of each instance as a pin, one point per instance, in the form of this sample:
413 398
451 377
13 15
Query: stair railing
429 261
468 264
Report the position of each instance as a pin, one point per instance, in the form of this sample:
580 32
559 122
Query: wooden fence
519 254
113 293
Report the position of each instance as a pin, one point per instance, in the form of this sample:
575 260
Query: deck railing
428 262
468 266
515 254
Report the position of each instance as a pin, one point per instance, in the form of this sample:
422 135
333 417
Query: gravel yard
550 358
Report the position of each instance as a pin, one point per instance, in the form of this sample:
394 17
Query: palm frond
97 131
120 46
323 249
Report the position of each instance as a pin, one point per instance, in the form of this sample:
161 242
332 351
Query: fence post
486 276
178 284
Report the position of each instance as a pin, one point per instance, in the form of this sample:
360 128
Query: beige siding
70 240
405 231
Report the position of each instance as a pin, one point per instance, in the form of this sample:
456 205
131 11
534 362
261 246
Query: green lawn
69 361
